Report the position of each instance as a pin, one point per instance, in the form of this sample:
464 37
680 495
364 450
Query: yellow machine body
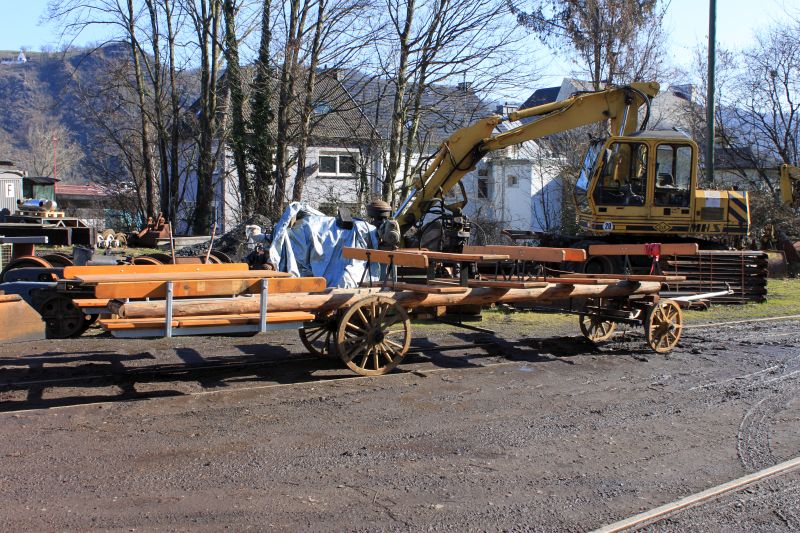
646 183
790 185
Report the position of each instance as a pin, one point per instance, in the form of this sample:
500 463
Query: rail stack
743 272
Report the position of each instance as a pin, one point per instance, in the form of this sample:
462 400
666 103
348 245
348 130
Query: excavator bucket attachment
19 322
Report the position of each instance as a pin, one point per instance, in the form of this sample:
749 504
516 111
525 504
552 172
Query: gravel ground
539 431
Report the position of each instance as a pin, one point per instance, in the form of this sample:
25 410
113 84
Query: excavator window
673 175
623 180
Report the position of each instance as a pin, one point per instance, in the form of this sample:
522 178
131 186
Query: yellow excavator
634 184
790 186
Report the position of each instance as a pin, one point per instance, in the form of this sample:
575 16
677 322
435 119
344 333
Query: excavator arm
460 153
790 185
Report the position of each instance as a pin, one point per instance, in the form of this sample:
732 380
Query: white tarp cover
312 246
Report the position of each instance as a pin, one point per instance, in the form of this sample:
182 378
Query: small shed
39 187
10 186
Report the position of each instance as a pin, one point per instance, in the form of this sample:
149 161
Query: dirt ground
533 429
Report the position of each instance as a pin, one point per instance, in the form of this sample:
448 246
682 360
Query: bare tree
614 41
49 148
430 47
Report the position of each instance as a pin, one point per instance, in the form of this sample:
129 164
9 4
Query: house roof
541 97
41 180
445 107
78 191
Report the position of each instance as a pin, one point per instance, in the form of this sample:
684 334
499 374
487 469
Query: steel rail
659 513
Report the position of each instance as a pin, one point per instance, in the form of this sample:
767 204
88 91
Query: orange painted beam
640 249
78 271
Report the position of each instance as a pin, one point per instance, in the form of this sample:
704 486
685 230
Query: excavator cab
646 183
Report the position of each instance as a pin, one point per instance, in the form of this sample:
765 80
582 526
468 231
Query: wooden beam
205 321
401 258
640 249
181 276
78 271
506 284
522 253
457 258
341 298
428 289
203 288
629 277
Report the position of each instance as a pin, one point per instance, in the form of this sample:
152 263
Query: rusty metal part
663 324
222 257
595 328
165 259
145 260
58 260
62 317
373 335
19 322
28 261
319 336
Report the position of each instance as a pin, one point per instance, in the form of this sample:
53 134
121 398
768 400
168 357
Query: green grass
783 299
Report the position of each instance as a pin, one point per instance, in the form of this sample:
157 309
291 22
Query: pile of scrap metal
154 231
39 217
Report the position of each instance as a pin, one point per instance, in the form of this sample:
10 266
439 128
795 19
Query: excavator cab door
673 183
620 189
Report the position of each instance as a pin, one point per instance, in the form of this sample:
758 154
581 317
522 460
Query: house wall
523 194
323 192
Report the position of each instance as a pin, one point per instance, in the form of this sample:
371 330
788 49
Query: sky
687 25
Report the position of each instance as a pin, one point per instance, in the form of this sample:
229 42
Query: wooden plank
574 255
208 320
585 281
90 302
502 284
181 276
78 271
428 289
202 288
640 249
628 277
9 298
458 258
521 253
401 258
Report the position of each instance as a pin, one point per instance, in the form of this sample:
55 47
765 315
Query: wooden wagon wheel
663 324
373 335
319 336
595 328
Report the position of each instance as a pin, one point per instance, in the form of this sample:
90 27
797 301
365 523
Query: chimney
506 109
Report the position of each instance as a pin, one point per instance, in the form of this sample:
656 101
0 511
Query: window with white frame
337 166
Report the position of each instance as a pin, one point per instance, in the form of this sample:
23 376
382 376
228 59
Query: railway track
658 514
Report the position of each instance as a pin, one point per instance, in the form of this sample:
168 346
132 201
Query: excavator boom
459 154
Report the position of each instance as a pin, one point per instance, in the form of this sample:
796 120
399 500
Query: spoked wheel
595 328
319 336
63 319
373 335
663 324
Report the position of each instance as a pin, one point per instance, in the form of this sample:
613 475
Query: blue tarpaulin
305 242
